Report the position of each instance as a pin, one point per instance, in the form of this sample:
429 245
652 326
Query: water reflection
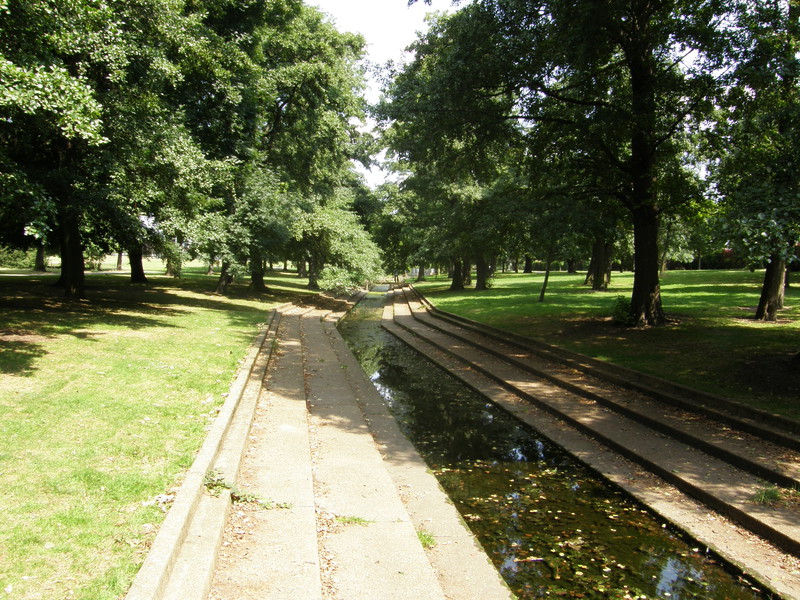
550 526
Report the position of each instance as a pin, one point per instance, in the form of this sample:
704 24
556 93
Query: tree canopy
173 126
636 131
602 109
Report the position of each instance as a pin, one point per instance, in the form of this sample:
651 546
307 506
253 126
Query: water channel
551 526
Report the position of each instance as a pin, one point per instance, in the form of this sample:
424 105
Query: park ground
104 402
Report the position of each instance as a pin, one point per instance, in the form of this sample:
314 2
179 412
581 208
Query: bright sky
388 26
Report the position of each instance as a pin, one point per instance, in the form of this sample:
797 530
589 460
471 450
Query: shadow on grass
712 341
33 311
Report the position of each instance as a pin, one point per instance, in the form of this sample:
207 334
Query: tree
122 123
340 253
625 79
757 173
97 142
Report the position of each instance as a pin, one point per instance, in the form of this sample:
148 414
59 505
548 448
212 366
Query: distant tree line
563 131
217 129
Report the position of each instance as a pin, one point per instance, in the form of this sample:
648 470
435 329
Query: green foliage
336 241
589 114
215 483
17 259
67 100
109 134
621 312
768 496
756 142
351 520
427 539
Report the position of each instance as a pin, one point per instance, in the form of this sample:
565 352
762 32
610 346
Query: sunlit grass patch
103 405
711 343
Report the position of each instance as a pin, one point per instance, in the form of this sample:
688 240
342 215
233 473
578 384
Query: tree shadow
18 354
33 312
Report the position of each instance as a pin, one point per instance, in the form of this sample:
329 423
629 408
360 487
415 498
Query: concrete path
349 493
343 495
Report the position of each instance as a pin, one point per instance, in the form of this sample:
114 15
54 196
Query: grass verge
103 405
711 343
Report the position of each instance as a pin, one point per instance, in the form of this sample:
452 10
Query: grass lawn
103 405
712 342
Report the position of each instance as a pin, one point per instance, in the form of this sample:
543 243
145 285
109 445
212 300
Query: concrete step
276 554
722 486
369 542
538 408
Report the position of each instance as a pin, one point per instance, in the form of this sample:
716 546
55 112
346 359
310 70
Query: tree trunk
548 262
457 284
225 279
466 270
772 290
119 260
40 264
173 268
646 308
313 273
421 273
599 273
528 268
72 277
135 256
571 266
482 272
302 270
665 248
256 272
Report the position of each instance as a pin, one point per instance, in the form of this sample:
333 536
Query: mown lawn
103 405
712 342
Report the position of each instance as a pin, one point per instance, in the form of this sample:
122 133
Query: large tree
758 173
89 138
625 78
123 122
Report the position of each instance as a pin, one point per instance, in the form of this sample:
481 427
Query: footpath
307 489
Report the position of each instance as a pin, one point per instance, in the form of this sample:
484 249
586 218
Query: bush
14 258
621 312
339 280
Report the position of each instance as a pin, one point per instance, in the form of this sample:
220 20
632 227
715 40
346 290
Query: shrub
621 312
14 258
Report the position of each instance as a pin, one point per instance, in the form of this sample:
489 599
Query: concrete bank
342 495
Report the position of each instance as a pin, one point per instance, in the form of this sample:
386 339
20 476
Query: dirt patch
21 337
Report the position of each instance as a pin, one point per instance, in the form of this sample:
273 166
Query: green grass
427 539
103 405
712 343
351 520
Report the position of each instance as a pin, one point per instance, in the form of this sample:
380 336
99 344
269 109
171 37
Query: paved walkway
345 496
351 493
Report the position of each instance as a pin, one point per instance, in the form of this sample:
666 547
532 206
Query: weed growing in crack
215 483
426 538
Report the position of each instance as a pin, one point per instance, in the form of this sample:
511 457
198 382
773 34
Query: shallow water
552 527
